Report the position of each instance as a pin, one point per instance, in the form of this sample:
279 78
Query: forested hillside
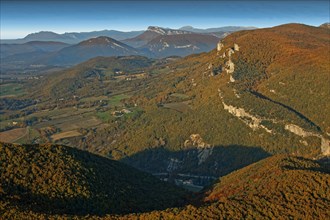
59 180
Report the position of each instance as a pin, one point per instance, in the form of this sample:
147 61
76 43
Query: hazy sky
19 18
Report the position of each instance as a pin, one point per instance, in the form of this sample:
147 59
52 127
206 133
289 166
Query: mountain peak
166 31
188 27
102 40
325 25
156 29
42 34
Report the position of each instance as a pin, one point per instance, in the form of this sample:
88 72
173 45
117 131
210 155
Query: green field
115 100
104 116
11 90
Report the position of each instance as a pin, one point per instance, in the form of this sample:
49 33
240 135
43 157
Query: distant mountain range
76 37
214 30
72 37
180 44
48 48
151 33
162 42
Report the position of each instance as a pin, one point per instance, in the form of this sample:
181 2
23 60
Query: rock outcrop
325 143
230 67
250 120
204 150
236 47
255 122
220 46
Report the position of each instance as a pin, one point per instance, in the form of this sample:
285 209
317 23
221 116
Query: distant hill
180 44
59 180
151 33
87 76
20 57
32 46
44 35
100 46
162 42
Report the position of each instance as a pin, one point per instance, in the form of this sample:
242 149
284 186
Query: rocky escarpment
255 122
204 150
250 120
325 143
229 66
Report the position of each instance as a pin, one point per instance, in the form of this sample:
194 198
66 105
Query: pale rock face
325 143
236 47
204 150
250 120
231 79
325 146
230 52
230 67
219 46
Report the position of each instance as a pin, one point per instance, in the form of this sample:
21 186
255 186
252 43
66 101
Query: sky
19 18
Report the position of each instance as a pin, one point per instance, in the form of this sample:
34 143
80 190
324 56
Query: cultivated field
66 134
12 135
178 106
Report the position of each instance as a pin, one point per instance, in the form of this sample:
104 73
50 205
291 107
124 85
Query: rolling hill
59 180
100 46
22 56
90 77
32 46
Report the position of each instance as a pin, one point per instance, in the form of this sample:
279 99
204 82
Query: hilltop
82 79
99 46
59 180
180 44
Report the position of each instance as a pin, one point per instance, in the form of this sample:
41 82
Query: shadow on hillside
44 205
110 187
222 160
